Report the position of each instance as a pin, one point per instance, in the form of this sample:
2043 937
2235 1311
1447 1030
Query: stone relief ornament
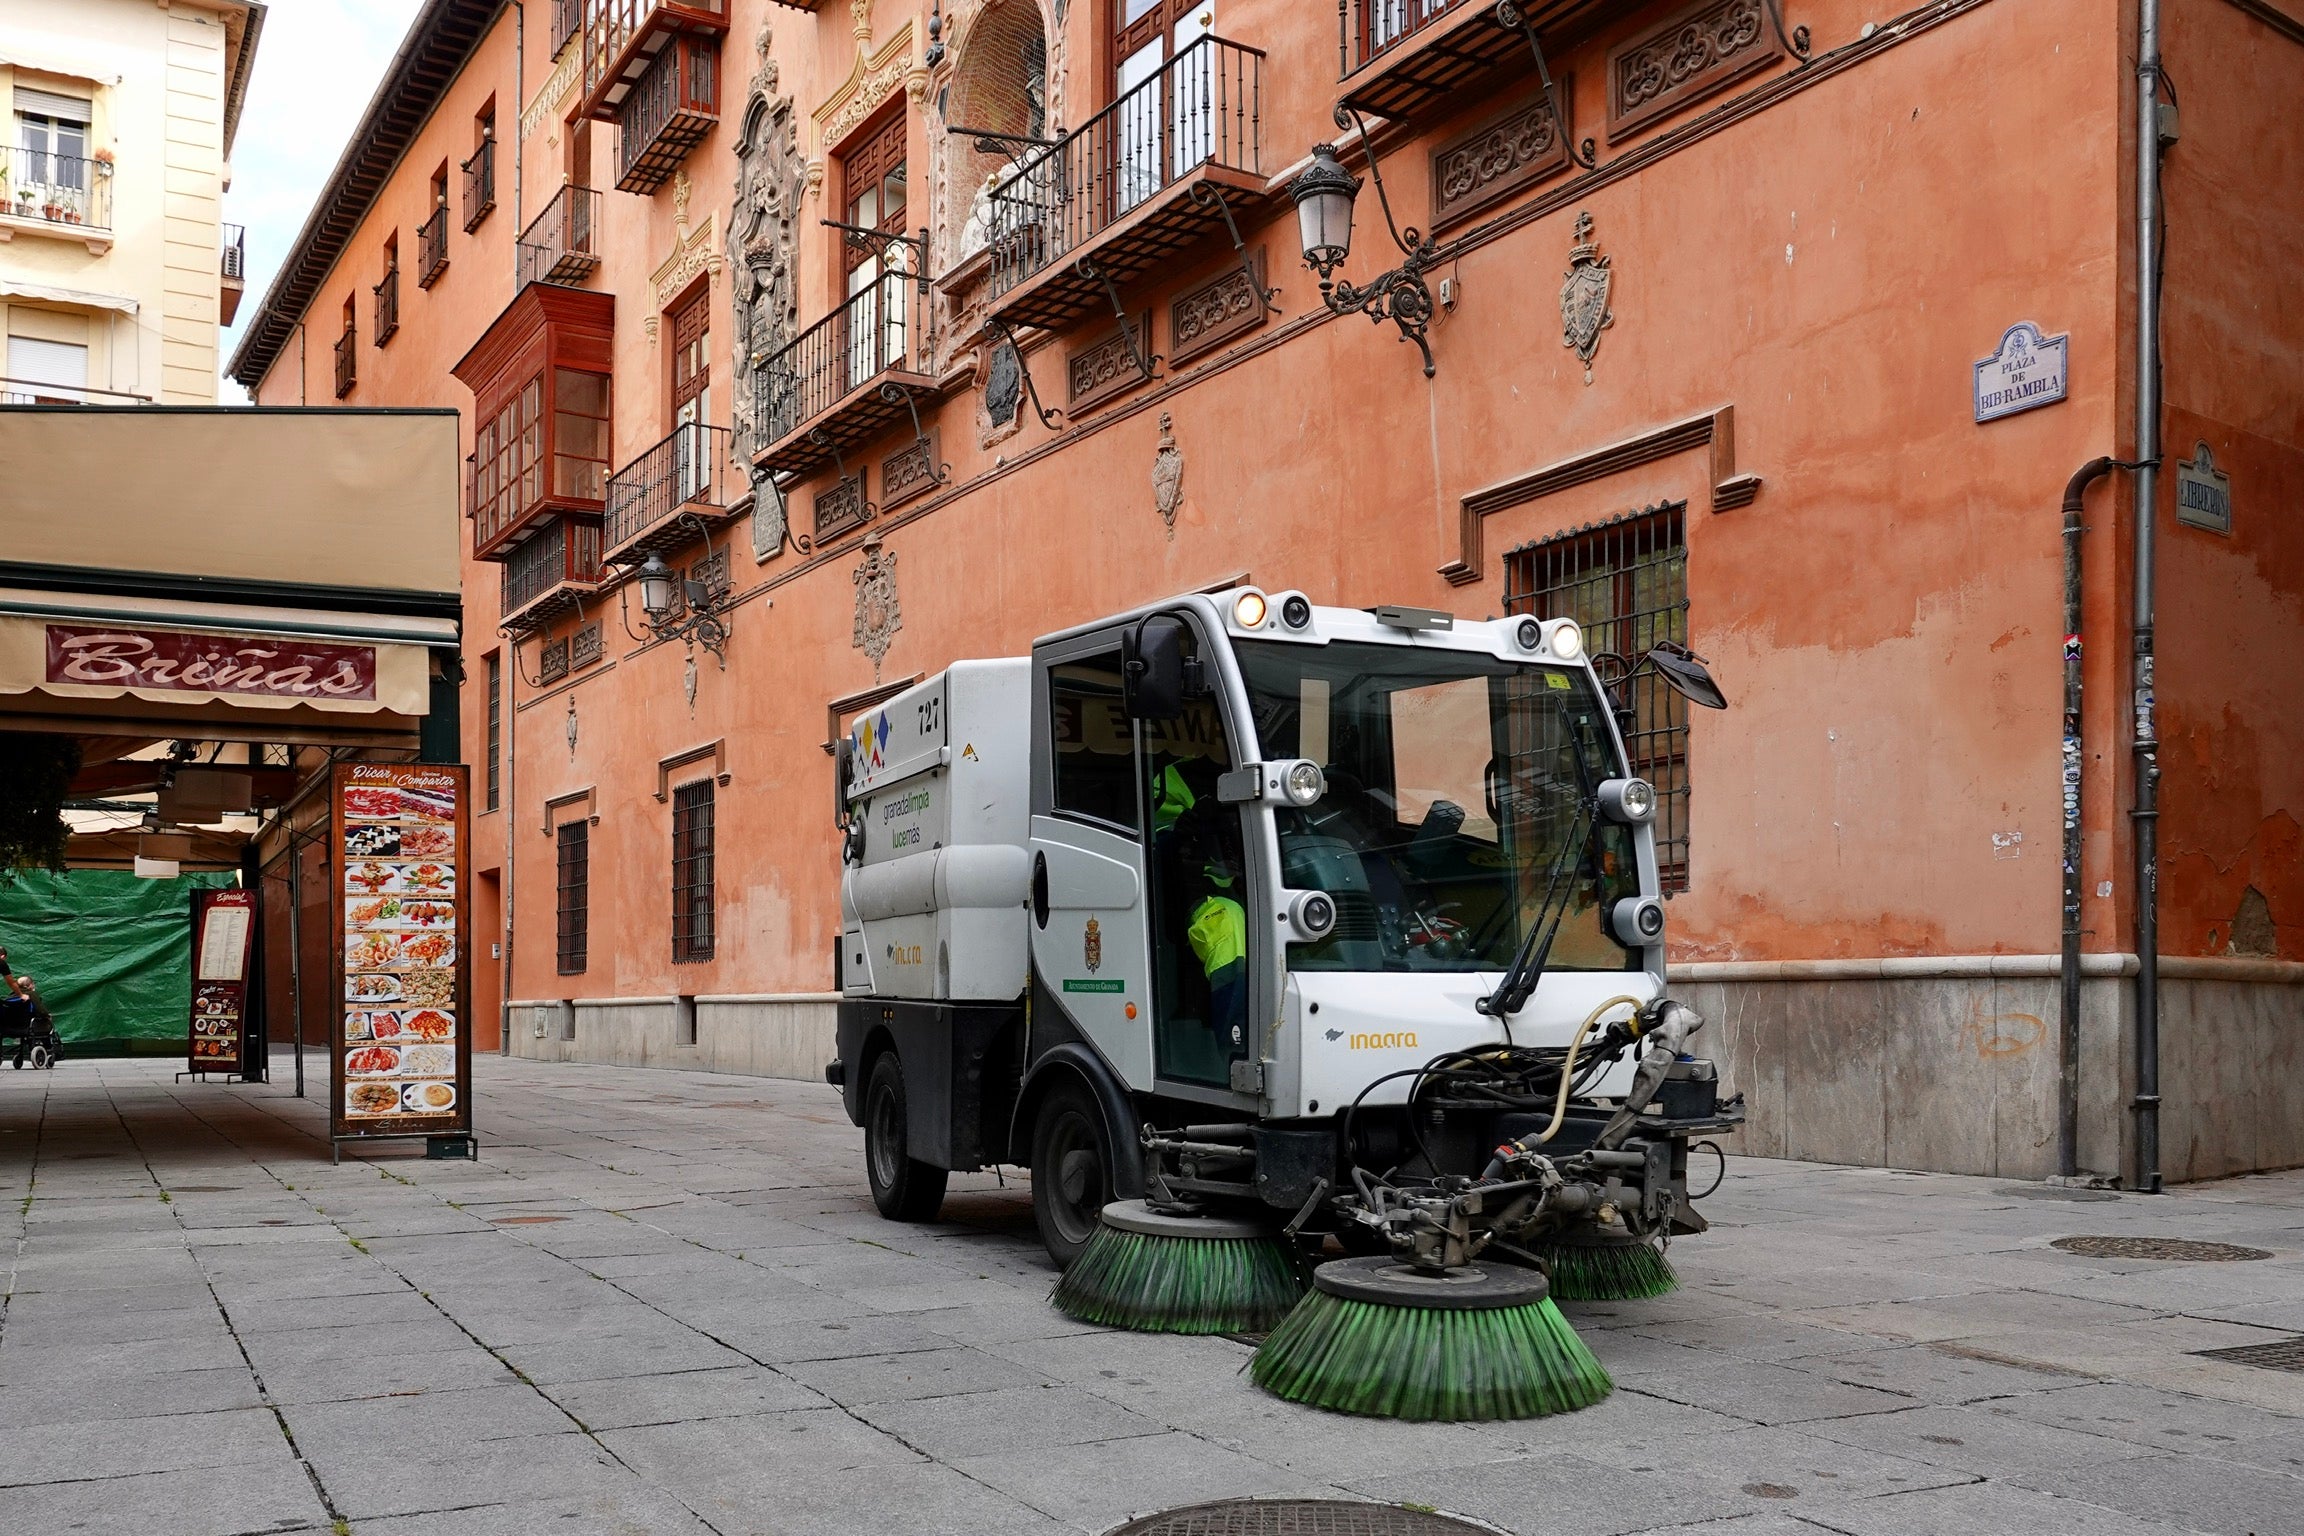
763 241
1584 311
1002 413
1168 474
878 613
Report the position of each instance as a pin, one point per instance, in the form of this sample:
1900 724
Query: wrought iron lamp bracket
1052 419
861 235
1585 153
1016 146
705 623
1207 193
517 633
1147 361
1401 295
895 394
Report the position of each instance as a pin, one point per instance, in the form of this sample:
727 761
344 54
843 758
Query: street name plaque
2025 371
2203 492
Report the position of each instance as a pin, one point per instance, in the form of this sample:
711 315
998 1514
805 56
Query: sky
317 64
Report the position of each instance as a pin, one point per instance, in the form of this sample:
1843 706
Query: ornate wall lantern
1324 193
705 621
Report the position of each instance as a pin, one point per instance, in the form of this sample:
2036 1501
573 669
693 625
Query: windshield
1453 781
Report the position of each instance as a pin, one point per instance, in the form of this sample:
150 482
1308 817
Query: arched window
999 85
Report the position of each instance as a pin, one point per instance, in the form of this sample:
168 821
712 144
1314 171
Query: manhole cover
1298 1517
2182 1250
2280 1355
522 1221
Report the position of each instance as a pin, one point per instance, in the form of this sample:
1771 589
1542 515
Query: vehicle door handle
1039 889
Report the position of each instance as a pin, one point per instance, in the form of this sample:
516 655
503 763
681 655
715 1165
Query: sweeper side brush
1380 1338
1607 1269
1158 1272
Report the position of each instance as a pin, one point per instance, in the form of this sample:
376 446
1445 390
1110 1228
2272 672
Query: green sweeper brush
1380 1338
1161 1272
1607 1269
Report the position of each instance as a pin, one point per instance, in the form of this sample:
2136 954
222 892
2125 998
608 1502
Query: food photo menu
403 1052
222 921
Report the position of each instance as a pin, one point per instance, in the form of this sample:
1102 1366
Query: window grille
1626 582
575 888
692 872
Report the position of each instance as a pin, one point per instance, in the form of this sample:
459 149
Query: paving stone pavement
661 1302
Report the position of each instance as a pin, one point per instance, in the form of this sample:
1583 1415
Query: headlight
1248 609
1567 640
1627 799
1305 783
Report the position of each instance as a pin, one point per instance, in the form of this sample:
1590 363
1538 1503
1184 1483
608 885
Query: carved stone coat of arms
878 613
1584 311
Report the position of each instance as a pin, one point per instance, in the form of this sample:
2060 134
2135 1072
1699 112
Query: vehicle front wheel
903 1187
1071 1171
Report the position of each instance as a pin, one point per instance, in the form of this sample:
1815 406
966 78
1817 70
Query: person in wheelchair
25 1020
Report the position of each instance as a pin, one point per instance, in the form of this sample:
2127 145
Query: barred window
1626 582
495 728
692 872
575 882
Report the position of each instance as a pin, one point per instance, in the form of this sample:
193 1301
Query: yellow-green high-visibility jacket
1219 937
1175 797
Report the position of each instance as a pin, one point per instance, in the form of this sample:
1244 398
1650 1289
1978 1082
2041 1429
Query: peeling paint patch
2008 845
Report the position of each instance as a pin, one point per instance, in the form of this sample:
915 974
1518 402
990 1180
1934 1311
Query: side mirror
843 766
1684 673
1153 668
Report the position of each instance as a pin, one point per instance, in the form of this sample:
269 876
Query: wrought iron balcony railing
1203 107
432 247
387 305
58 189
558 245
39 392
690 471
1373 27
479 184
347 367
235 259
567 21
882 330
667 111
560 560
621 36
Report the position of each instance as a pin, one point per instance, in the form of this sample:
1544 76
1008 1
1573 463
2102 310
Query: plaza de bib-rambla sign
2026 370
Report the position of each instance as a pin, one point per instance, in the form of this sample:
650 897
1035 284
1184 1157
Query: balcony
845 378
541 407
558 246
40 392
668 112
432 247
1120 195
387 305
689 474
347 355
60 195
622 39
232 273
1408 59
479 184
567 21
548 573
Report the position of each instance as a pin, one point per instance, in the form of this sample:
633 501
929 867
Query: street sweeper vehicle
1250 927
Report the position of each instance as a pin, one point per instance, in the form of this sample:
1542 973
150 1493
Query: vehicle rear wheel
903 1187
1071 1171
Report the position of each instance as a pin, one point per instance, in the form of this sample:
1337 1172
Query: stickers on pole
2025 371
223 924
403 1051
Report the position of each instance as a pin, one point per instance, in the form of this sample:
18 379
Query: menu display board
403 1053
223 924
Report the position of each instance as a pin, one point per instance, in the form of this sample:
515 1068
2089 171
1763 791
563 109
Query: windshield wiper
1527 968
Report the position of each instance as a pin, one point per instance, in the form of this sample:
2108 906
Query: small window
1095 745
692 872
495 728
579 434
575 894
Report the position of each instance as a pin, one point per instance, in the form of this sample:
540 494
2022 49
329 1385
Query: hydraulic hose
1568 1067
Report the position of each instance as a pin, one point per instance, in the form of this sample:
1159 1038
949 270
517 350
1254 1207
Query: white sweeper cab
1242 904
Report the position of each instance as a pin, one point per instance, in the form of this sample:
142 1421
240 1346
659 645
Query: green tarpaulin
112 954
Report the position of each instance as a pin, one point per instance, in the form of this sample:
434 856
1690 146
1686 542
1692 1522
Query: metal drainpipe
519 155
2145 812
2068 1085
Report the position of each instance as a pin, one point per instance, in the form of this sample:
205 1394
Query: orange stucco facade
1807 260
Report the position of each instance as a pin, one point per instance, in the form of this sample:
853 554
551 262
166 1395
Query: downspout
511 674
2068 1078
519 159
2145 811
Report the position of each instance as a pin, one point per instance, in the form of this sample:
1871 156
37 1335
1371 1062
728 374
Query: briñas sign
180 662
